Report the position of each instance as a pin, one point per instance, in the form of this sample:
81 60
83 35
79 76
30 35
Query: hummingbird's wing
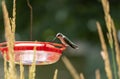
70 43
54 39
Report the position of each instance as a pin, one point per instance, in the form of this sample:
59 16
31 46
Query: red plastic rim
29 45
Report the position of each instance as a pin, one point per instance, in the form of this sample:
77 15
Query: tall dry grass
97 73
32 68
55 74
104 53
113 43
21 70
70 67
9 24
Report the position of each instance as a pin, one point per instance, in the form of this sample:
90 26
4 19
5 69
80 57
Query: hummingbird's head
59 35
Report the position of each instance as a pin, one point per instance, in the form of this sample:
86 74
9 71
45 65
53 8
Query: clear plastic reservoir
41 57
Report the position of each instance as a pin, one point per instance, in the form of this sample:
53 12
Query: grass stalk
114 62
105 52
32 68
13 22
97 73
10 38
21 69
55 74
112 37
82 76
70 67
5 67
117 50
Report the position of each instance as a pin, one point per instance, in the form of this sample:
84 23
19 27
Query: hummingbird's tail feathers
74 46
70 43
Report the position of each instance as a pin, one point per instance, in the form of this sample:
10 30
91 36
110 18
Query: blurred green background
74 18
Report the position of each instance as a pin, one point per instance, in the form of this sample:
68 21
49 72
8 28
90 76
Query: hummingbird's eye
58 35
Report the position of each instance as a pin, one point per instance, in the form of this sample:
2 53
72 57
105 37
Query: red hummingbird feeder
44 52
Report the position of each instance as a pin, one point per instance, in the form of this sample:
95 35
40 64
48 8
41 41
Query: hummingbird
65 41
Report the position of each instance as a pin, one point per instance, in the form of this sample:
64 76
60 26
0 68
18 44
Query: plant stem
114 62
